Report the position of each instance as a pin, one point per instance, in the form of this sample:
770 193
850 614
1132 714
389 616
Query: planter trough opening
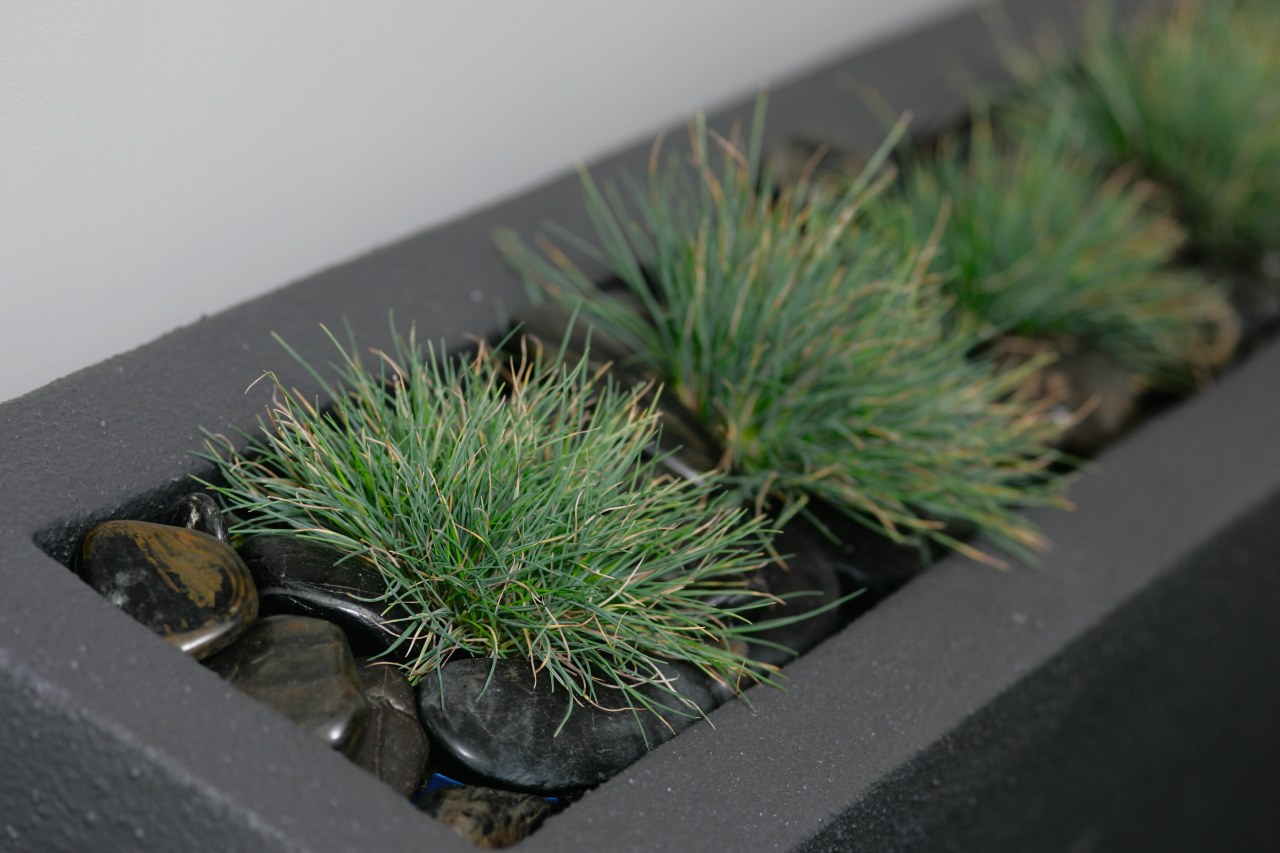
1121 696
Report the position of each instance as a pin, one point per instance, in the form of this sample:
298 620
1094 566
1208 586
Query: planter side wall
1154 731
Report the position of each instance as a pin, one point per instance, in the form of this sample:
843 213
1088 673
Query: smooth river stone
866 561
313 579
486 817
186 586
303 668
807 582
508 733
749 588
395 746
198 511
1090 381
1092 397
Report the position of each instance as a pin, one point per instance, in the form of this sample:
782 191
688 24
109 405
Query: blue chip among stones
188 587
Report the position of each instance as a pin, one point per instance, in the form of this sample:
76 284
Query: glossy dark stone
1093 397
866 561
394 747
198 511
186 586
508 732
751 587
312 579
303 668
486 817
386 684
1088 381
807 581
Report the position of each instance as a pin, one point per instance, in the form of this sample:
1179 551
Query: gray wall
164 160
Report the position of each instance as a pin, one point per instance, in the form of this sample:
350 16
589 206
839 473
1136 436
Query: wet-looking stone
187 586
505 725
485 816
394 747
303 668
198 511
308 578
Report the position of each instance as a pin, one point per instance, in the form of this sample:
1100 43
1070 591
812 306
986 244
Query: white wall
161 160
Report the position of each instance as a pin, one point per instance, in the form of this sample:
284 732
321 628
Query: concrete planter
1124 696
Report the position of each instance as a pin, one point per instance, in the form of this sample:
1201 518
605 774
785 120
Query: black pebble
302 668
394 747
186 586
197 511
507 733
306 578
486 817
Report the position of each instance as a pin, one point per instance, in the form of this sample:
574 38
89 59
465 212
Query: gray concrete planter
1124 696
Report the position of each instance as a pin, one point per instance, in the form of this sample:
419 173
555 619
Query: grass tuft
1039 242
1192 99
510 507
810 344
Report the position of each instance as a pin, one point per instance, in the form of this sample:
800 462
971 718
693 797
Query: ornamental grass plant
1039 241
511 509
1192 99
811 344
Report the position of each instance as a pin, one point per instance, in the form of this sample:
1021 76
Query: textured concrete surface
1128 686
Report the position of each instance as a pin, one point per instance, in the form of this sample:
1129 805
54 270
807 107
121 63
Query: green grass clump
1192 98
512 509
1036 241
811 346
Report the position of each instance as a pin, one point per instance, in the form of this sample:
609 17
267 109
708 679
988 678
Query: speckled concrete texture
1125 692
